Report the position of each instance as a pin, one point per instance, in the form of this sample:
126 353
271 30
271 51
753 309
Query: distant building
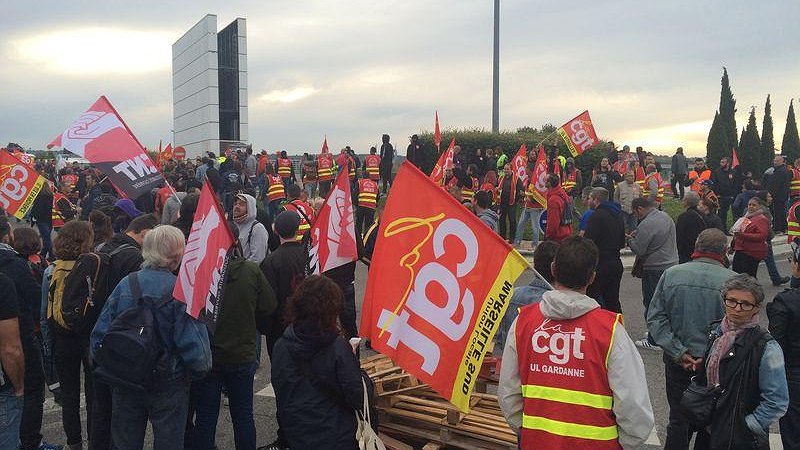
209 87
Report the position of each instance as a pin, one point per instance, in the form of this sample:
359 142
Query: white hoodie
631 406
254 245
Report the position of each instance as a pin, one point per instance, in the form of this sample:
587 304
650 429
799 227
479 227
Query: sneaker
277 445
45 446
645 344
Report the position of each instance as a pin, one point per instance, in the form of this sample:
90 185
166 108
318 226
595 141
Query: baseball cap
286 224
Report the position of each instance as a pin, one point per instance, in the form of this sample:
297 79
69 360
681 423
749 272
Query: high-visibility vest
794 186
639 179
570 181
491 189
56 217
699 178
530 196
367 193
452 181
275 190
468 190
325 167
373 164
305 226
646 191
567 400
68 182
352 169
793 229
285 167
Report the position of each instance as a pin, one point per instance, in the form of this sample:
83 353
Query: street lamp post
496 71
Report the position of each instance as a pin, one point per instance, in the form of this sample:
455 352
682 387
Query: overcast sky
647 71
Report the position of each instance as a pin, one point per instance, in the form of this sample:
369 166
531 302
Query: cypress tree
727 110
717 144
767 138
750 147
790 147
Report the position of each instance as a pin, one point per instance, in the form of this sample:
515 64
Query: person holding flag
572 181
532 208
510 188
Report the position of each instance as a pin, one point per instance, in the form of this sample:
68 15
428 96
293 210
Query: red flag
19 185
333 236
439 283
445 162
735 159
539 179
578 134
519 164
102 137
437 133
325 145
167 152
202 272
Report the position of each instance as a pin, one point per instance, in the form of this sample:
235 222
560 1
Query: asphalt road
264 403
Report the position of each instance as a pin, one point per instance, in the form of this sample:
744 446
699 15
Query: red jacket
753 239
557 200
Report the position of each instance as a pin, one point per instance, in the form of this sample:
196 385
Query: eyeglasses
732 303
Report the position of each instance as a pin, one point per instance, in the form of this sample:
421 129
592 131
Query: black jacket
29 292
778 182
606 228
123 263
42 209
784 324
726 182
313 417
688 226
284 269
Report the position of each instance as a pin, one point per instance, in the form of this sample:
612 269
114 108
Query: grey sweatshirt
626 377
656 236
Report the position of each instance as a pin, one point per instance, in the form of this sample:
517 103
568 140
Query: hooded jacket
252 234
626 377
557 200
606 228
489 217
309 417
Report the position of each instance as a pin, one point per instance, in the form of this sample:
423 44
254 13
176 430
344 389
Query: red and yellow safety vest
794 185
367 193
699 178
352 170
468 190
285 167
567 400
570 181
490 188
297 206
325 167
646 191
56 217
639 179
373 164
793 229
530 198
275 190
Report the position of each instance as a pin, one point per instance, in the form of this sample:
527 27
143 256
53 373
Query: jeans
70 353
630 221
10 417
310 187
30 430
46 231
100 436
679 432
532 214
166 409
650 279
238 382
769 261
364 219
508 218
724 205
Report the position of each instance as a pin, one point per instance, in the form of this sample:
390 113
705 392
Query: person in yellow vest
699 174
793 221
372 165
325 172
469 184
653 185
571 376
794 185
639 174
63 210
285 168
309 174
275 192
572 182
303 209
367 202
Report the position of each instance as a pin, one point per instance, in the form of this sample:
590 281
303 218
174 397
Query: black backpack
133 354
86 289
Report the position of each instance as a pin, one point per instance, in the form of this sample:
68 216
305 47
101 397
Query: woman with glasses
747 364
750 236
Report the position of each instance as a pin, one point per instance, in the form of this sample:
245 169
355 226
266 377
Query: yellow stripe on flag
493 309
26 205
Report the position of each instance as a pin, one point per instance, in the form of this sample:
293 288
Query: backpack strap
136 290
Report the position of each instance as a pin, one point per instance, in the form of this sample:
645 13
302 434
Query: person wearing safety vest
793 230
490 185
309 174
653 185
571 376
699 174
372 165
285 168
325 173
794 185
624 160
275 191
367 202
63 210
450 180
469 184
572 182
303 209
639 174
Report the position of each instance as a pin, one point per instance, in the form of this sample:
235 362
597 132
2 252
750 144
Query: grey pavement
631 299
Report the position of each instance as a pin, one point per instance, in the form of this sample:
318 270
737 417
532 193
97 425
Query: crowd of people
571 375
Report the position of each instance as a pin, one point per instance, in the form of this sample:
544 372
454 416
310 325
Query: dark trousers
166 410
324 187
364 219
70 352
386 178
779 213
348 315
237 380
605 288
744 263
724 206
678 182
508 220
30 430
45 231
790 423
679 432
100 436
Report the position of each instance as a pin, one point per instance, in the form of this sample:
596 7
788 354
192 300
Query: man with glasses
686 300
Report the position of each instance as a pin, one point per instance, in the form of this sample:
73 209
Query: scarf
716 257
722 344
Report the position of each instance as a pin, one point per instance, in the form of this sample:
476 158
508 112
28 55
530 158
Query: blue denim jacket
191 348
522 296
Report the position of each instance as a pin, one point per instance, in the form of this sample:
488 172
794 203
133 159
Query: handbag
699 402
367 437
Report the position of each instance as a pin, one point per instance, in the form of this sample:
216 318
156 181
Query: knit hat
286 224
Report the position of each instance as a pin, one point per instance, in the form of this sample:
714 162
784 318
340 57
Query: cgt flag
437 133
439 284
202 273
578 134
735 159
519 164
333 236
445 162
19 185
539 179
101 136
325 145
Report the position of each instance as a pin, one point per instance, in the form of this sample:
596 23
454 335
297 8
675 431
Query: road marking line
653 438
267 391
